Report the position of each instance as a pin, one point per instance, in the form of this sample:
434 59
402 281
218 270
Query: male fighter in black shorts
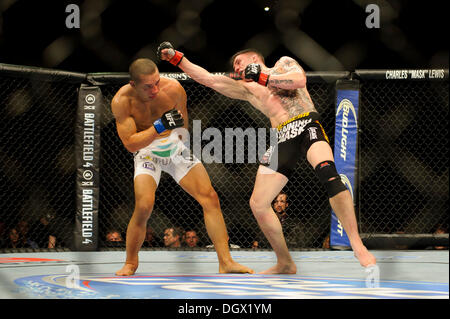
280 93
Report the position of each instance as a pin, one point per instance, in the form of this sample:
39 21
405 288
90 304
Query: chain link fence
403 171
37 177
309 215
404 156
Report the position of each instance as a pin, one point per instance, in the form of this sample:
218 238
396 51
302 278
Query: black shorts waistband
307 115
295 126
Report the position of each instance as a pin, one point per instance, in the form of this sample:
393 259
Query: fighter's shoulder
172 86
287 62
170 83
122 99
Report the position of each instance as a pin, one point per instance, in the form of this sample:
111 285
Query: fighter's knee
330 178
144 206
257 203
208 198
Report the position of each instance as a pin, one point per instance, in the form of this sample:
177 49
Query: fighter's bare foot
287 269
234 267
364 257
127 270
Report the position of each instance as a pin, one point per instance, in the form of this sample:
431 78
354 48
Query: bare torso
277 104
145 113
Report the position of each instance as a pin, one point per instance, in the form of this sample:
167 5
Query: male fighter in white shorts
147 111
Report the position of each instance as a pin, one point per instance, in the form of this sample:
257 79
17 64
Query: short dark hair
141 66
177 231
282 192
257 52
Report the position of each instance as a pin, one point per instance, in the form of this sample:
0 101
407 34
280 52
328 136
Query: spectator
191 239
280 204
326 242
16 240
23 228
172 237
114 239
150 239
45 232
114 235
440 230
255 245
292 228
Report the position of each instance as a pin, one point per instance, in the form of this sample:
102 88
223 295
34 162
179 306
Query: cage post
345 150
87 149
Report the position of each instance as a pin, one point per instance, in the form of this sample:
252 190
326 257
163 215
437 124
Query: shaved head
141 67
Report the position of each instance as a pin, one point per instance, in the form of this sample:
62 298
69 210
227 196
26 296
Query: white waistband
164 147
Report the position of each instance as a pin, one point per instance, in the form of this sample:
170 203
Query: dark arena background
398 61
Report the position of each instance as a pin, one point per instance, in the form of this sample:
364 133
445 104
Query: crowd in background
46 233
42 233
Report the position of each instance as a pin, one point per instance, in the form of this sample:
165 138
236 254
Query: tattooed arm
287 74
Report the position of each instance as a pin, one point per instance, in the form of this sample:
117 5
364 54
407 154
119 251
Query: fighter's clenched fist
253 72
169 121
166 52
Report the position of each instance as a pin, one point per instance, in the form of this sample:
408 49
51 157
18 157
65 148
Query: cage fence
403 163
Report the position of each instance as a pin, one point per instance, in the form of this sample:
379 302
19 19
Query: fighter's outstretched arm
220 83
287 74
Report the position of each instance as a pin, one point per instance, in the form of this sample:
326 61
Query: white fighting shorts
167 154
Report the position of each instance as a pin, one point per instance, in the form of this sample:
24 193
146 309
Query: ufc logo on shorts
312 133
170 119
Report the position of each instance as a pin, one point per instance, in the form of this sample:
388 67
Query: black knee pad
330 178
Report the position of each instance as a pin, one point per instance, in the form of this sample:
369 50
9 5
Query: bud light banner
345 149
87 150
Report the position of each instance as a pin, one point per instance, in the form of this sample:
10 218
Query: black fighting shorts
295 137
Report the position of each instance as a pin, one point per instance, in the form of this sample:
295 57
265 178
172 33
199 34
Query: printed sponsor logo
414 74
312 133
90 98
292 129
149 165
345 106
170 119
226 286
